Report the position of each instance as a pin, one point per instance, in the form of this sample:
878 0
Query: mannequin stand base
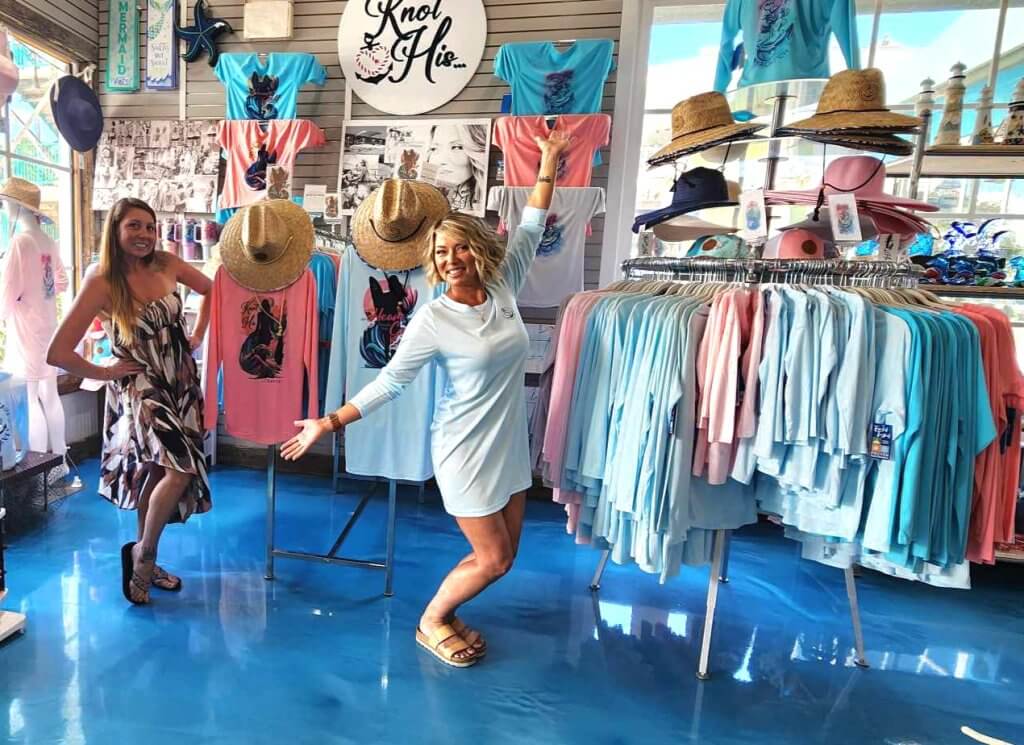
11 623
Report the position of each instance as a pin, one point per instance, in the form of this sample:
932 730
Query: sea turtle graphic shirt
250 147
784 39
266 90
546 80
557 270
267 344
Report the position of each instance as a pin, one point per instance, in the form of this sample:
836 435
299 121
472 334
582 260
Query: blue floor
320 656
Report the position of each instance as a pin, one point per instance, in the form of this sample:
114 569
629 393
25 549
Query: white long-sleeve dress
479 441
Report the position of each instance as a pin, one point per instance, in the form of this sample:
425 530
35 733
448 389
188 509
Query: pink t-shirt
31 276
252 147
514 135
267 344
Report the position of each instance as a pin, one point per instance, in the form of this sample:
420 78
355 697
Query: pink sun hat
860 175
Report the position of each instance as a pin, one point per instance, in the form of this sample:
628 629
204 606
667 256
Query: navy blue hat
77 112
698 189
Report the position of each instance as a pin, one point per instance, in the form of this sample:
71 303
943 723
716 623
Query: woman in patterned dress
152 431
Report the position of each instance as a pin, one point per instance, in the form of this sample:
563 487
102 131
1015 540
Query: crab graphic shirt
251 146
372 311
515 136
266 90
557 270
267 344
784 39
546 80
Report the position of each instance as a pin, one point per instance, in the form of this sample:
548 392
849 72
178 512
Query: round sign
406 57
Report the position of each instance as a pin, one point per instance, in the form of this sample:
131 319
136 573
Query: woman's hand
556 142
297 446
195 341
122 369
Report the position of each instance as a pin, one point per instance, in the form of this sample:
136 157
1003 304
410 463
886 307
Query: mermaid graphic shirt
548 80
372 311
267 345
558 269
258 89
784 39
252 146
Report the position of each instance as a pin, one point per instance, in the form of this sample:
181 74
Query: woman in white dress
479 441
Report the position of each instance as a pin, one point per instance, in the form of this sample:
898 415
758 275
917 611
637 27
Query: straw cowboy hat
701 122
391 226
855 99
24 194
267 246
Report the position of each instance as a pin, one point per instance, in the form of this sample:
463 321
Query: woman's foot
143 562
471 636
164 580
445 643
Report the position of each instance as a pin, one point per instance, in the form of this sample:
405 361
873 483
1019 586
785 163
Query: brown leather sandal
471 636
446 645
163 580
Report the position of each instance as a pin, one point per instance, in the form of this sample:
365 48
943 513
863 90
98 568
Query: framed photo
451 154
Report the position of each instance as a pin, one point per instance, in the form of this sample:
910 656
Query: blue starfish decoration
203 35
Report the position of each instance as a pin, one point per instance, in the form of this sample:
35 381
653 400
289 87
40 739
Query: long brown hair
122 301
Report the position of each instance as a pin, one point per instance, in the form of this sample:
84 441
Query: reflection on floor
319 656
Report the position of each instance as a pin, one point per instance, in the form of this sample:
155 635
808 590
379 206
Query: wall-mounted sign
406 57
123 46
161 45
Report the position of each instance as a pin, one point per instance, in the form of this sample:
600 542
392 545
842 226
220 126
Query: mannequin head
20 218
128 241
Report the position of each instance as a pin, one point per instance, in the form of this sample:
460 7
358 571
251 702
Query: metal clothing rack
705 269
331 557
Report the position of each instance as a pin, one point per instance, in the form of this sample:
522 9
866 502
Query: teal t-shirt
266 90
545 80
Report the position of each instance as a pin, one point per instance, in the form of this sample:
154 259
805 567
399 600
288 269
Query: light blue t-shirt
545 80
266 90
785 39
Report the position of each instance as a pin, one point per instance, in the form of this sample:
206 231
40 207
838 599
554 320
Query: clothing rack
835 272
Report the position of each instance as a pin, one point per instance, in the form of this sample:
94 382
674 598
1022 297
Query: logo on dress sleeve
508 313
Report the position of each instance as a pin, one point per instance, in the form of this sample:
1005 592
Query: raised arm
551 150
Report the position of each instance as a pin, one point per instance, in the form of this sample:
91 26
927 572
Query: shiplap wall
81 17
316 32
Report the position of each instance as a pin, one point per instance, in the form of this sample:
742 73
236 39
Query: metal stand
595 583
858 634
709 614
723 575
331 557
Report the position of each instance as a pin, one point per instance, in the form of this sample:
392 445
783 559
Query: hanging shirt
250 147
545 80
557 271
372 311
785 39
31 276
515 136
325 272
267 345
266 90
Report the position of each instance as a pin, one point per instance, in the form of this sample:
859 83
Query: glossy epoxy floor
320 656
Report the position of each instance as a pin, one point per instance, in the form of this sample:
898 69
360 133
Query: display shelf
992 293
964 161
1010 557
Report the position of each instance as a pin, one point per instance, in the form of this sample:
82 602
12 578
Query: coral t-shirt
251 147
267 344
514 135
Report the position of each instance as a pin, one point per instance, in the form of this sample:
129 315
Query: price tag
753 215
889 247
842 211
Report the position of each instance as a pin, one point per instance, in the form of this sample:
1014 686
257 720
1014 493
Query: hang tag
881 441
753 214
314 198
842 211
889 247
672 421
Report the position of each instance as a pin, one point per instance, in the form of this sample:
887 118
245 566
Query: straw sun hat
267 246
855 99
701 122
24 194
391 225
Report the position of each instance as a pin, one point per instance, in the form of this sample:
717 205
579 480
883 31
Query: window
31 148
677 45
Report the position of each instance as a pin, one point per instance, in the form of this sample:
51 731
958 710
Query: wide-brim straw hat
267 245
701 122
855 99
689 228
24 194
885 144
392 225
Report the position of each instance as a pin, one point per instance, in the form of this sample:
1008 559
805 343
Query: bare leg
156 473
494 540
162 502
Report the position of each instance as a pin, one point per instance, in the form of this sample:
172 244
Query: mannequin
31 276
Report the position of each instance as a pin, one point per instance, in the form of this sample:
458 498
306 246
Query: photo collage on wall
451 154
170 164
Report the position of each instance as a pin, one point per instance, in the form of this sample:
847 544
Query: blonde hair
122 303
477 235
